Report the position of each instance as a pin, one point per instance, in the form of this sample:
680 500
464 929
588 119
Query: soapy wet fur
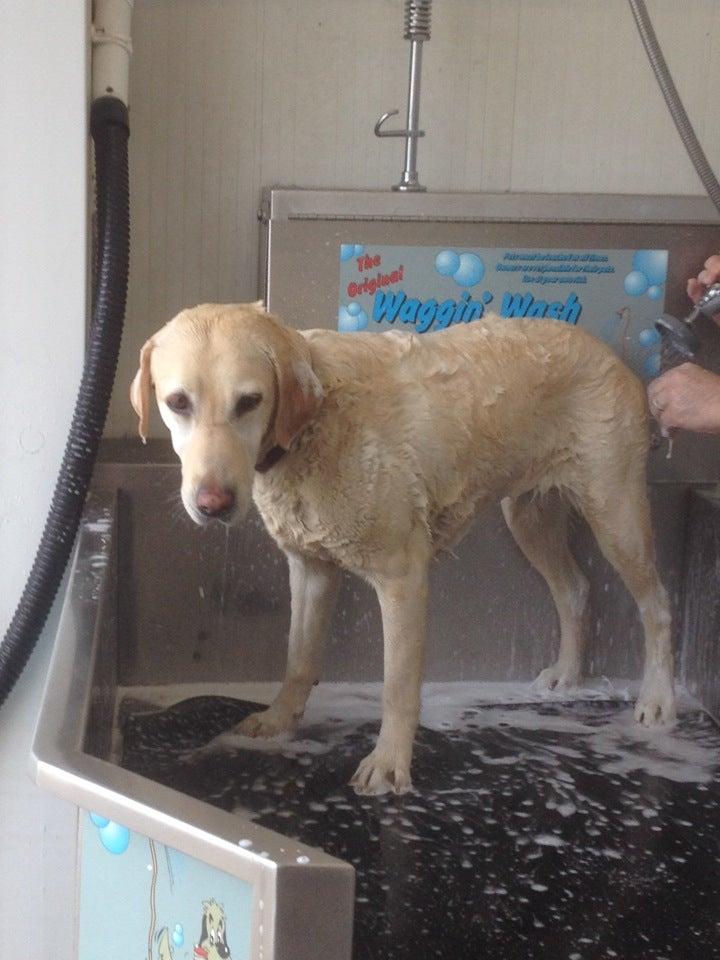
383 449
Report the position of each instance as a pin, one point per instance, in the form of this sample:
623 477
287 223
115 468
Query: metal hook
394 133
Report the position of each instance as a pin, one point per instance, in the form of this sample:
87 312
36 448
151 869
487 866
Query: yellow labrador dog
324 431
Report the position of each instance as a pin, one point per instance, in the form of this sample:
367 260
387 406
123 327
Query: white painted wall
527 95
42 322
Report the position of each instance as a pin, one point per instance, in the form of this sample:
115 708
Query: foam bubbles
549 840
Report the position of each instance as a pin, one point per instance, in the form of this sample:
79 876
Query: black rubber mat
518 842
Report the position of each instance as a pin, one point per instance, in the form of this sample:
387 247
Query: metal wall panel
304 230
213 604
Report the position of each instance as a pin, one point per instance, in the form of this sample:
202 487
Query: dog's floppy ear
140 389
299 392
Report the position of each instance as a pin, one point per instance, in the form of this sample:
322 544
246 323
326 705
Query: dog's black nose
215 501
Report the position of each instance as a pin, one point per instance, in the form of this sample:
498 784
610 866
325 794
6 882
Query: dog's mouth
202 520
203 517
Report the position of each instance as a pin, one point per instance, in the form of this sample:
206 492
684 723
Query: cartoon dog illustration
213 937
164 949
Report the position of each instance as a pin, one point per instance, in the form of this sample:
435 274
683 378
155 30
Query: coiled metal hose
673 101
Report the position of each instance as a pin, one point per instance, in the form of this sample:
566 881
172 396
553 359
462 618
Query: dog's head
213 936
232 383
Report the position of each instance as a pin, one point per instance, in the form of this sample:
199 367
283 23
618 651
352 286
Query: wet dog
372 452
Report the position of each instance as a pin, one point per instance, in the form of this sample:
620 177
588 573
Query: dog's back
498 405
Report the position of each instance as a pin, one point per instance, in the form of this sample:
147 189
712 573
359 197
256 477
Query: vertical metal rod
417 30
409 179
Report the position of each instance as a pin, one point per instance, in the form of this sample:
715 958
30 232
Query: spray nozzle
679 335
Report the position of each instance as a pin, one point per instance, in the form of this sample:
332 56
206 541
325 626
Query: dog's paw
656 702
557 677
381 772
267 723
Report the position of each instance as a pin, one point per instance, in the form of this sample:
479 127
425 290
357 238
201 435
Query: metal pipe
112 46
409 179
417 30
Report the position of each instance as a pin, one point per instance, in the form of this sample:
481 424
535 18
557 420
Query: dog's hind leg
619 516
539 525
313 591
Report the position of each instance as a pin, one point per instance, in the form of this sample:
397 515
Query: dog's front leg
313 591
403 603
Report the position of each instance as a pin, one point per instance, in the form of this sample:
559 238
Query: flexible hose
673 101
109 129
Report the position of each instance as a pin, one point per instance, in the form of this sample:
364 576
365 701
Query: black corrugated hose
110 131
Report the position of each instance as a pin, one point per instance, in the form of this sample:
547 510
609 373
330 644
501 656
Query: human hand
686 397
698 286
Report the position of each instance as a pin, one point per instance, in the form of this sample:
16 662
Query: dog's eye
178 402
248 401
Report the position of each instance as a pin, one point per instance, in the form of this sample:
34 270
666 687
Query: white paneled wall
43 240
526 95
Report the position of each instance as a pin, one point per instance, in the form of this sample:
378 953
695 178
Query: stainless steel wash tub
154 602
156 605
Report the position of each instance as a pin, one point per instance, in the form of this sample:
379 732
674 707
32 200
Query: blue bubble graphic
636 283
651 365
362 320
354 308
447 262
114 838
351 322
653 263
470 271
649 337
359 249
98 820
347 250
178 936
654 292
